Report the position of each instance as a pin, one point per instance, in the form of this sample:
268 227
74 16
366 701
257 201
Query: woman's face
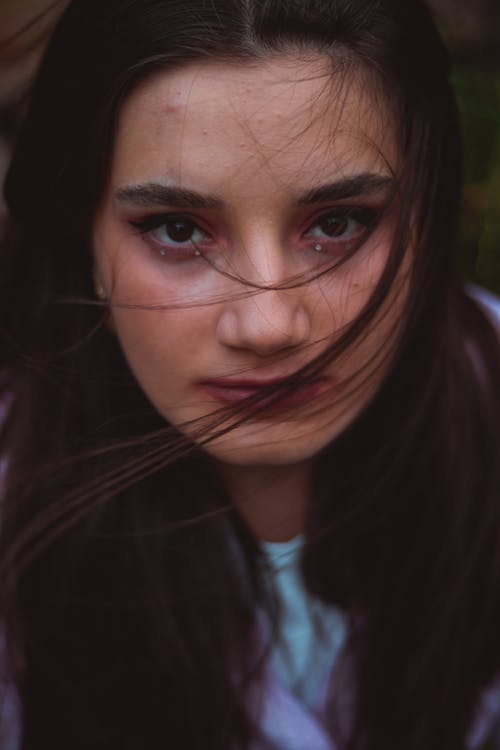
231 188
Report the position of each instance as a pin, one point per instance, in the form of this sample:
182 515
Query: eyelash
365 217
150 224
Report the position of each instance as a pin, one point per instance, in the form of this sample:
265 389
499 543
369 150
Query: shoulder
485 730
488 301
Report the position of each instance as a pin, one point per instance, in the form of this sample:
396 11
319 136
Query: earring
318 248
100 292
101 295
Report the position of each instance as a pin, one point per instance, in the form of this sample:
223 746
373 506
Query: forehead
280 120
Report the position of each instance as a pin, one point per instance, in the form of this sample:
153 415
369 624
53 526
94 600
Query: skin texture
257 138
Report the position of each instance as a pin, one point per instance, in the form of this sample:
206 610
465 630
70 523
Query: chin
278 440
254 445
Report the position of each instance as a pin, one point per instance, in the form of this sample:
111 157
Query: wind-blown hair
131 588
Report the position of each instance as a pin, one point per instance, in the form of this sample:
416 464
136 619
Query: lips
232 391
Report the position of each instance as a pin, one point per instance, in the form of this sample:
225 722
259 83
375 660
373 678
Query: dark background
472 31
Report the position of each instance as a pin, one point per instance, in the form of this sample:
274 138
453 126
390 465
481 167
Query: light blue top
311 633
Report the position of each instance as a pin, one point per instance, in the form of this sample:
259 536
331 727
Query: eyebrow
151 194
365 183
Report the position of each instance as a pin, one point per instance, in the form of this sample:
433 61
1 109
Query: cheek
345 291
363 364
162 348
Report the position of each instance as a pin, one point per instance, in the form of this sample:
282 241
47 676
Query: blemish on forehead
175 101
186 117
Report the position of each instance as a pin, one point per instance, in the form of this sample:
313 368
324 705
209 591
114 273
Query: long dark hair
131 587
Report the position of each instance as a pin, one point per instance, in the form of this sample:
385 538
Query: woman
252 441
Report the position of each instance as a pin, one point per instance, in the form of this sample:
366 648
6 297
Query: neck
271 500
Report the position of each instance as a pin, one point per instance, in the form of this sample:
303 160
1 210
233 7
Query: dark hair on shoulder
130 619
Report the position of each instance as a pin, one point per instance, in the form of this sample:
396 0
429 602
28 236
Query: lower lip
232 396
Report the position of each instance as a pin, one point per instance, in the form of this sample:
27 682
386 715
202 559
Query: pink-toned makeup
234 391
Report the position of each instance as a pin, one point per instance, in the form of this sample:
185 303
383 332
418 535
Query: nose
266 322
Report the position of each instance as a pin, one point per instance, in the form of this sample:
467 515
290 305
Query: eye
169 233
343 224
334 226
178 231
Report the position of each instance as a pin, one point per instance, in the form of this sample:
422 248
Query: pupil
334 226
180 231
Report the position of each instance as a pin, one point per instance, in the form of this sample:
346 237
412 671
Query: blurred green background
472 31
479 99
